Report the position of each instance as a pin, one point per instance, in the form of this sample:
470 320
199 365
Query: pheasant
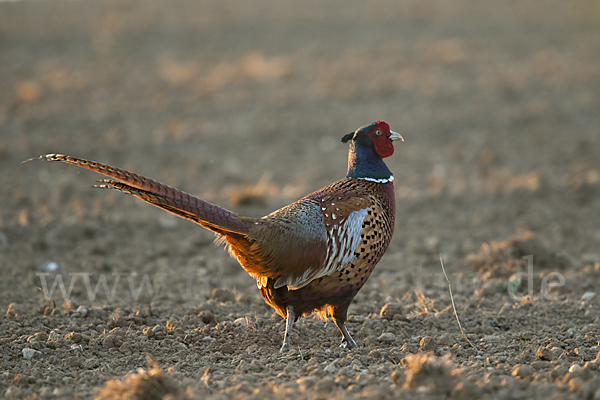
313 255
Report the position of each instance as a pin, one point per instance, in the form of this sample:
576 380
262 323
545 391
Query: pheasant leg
339 316
347 341
289 324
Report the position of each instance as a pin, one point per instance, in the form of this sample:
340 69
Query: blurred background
244 104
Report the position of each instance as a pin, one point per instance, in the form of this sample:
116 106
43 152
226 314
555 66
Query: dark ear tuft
347 137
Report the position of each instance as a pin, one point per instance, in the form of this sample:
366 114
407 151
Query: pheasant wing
314 237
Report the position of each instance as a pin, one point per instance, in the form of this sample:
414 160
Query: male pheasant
312 255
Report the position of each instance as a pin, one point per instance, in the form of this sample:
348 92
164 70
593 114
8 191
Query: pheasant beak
395 136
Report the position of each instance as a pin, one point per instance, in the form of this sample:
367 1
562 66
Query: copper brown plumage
313 255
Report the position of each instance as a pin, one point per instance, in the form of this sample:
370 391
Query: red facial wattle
383 145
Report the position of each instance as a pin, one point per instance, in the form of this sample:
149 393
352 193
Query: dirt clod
223 295
544 354
390 310
206 316
150 384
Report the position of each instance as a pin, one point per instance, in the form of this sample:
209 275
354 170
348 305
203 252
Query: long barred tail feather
173 200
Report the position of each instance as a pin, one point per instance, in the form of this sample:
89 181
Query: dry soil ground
243 103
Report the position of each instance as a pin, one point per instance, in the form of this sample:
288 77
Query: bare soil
243 104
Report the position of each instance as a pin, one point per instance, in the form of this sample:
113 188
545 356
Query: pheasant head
369 145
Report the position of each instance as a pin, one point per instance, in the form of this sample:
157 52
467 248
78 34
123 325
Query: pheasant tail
173 200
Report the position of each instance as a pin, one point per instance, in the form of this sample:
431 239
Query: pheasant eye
378 132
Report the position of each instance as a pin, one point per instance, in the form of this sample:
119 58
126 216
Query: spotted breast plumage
313 255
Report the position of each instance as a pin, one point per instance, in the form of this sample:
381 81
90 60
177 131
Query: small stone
387 337
389 310
49 266
29 353
330 369
522 371
82 311
15 310
76 347
574 367
588 296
